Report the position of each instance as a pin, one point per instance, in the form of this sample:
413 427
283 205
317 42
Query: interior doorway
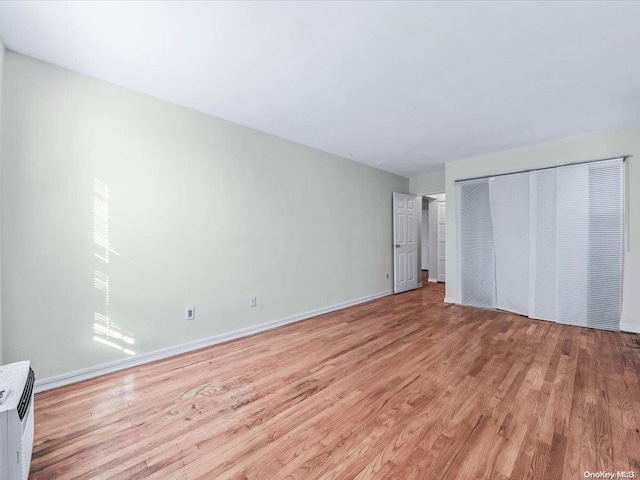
425 236
433 233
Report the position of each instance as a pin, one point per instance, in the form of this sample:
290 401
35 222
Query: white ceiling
404 86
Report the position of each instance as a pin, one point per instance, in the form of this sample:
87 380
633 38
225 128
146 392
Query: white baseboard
420 285
628 327
92 372
433 280
449 300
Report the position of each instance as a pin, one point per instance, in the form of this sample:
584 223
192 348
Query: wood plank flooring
402 387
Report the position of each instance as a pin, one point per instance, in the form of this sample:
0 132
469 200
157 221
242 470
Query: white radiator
16 420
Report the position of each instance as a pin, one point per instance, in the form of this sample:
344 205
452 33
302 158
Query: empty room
319 240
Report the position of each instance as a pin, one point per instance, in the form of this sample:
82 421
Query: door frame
433 197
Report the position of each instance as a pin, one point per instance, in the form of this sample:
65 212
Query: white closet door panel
441 231
605 244
475 249
425 240
572 239
509 196
542 245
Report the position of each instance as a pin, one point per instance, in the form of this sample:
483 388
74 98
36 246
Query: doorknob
397 245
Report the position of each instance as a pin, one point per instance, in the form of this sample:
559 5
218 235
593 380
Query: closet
546 243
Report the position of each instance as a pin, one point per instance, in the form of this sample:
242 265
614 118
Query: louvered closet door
546 243
572 243
475 249
543 297
589 244
606 234
510 217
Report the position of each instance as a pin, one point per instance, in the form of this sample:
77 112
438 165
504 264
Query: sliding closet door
547 243
542 245
606 233
509 196
572 232
475 249
590 233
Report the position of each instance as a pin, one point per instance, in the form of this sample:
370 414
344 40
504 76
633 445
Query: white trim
628 327
433 280
449 300
420 285
92 372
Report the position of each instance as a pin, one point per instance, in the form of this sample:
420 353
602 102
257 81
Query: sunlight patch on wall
101 219
106 331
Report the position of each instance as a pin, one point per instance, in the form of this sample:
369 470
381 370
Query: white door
405 229
425 239
441 240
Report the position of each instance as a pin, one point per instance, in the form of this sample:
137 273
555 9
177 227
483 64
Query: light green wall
428 184
204 213
592 147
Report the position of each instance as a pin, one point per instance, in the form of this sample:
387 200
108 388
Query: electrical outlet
190 313
253 301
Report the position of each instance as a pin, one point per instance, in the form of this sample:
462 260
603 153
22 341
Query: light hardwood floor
402 387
